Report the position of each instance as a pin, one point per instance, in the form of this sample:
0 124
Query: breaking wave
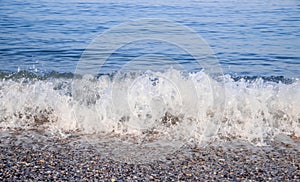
171 104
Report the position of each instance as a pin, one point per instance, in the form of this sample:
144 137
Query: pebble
64 162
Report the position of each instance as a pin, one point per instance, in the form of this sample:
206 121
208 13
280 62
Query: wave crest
254 109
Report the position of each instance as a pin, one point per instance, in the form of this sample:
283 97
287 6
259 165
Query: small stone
188 174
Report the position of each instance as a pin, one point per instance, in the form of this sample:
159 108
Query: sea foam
191 107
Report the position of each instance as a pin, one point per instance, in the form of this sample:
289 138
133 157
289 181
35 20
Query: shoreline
65 159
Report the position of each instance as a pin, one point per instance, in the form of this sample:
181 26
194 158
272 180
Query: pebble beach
150 90
27 158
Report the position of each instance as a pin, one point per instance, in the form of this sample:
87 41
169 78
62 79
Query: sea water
150 90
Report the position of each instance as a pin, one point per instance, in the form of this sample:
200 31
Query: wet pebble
64 162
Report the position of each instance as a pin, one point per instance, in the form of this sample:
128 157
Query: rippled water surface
257 38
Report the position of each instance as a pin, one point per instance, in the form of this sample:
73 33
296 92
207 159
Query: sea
150 74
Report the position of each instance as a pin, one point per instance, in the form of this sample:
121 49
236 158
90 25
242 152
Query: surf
192 107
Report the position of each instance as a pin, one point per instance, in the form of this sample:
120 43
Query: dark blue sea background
249 38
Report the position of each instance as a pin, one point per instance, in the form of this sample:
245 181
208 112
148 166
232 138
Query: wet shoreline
65 159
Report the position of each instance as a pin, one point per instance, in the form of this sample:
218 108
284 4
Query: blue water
249 38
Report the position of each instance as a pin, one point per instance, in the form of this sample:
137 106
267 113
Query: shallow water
249 38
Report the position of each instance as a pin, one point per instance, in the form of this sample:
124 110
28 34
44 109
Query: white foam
170 105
